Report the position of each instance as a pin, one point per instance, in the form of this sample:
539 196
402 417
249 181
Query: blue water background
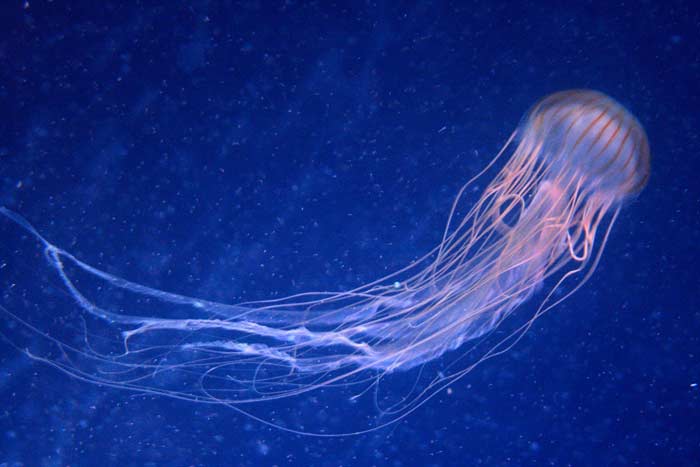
246 150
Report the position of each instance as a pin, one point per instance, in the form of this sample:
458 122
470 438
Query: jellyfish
538 229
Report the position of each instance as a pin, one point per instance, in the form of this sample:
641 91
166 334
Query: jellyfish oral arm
385 332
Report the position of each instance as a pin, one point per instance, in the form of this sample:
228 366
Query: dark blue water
249 150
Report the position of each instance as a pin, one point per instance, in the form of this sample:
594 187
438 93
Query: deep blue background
244 150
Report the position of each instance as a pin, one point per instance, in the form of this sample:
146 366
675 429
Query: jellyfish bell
541 223
588 134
